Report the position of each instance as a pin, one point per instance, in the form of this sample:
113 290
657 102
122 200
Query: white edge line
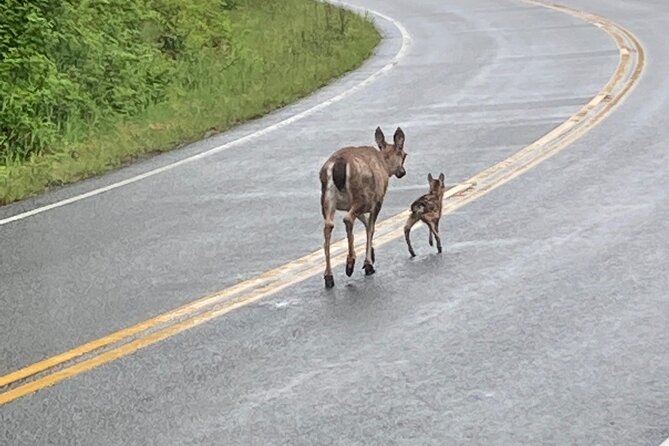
665 443
406 42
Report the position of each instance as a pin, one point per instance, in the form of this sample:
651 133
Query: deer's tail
339 173
420 206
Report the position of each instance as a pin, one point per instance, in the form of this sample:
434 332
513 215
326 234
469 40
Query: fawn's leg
434 229
413 218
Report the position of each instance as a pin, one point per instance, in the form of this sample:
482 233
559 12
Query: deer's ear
429 177
399 139
441 179
380 138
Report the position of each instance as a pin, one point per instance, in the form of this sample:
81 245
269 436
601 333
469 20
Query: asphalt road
543 322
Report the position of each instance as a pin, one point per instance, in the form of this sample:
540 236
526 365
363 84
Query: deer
355 180
427 208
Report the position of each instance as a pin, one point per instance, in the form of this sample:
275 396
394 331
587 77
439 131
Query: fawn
427 209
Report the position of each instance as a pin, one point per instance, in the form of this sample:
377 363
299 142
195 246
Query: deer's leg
430 239
434 229
413 218
328 216
369 254
350 260
369 261
365 221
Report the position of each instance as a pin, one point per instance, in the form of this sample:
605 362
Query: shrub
91 61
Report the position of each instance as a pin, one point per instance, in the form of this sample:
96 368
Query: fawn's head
437 186
394 154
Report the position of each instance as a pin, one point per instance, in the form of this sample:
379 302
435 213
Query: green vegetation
89 85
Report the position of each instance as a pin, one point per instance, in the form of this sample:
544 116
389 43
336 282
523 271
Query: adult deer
355 180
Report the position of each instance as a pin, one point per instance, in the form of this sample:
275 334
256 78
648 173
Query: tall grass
275 52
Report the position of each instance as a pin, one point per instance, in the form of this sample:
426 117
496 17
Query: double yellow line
128 340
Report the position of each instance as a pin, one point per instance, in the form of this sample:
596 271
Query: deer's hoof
412 254
439 249
350 264
329 281
369 269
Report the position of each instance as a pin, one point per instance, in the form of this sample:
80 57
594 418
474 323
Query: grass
282 50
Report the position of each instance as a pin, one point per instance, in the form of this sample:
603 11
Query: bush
102 89
91 61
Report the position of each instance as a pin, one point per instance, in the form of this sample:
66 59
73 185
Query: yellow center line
193 321
150 331
192 307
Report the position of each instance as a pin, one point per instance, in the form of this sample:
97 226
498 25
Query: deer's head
394 154
437 186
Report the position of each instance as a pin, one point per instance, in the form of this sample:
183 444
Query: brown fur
427 208
360 177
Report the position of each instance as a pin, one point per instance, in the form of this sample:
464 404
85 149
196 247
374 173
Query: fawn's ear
441 179
429 177
380 138
398 139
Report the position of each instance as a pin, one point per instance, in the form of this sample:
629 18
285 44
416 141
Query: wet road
544 321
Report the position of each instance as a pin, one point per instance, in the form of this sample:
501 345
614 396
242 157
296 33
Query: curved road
544 321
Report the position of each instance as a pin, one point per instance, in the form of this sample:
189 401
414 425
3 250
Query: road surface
543 322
